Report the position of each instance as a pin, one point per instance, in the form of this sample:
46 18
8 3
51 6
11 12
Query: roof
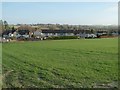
66 31
57 31
22 32
7 32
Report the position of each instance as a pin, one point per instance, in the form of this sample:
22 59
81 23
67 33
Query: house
114 33
12 33
5 34
25 34
22 34
90 36
38 34
9 34
79 33
57 33
101 33
84 33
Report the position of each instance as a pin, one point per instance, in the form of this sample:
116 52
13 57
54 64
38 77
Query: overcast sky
96 13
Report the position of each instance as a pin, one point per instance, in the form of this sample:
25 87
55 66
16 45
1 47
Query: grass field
62 63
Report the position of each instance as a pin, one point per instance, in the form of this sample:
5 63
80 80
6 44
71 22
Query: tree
52 27
6 26
93 31
1 26
26 27
13 28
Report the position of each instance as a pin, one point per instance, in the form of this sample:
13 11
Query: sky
82 13
60 0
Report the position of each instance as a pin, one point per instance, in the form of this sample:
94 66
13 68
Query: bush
62 37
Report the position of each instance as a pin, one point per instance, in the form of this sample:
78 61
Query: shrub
62 37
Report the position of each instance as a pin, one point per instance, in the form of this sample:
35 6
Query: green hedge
62 37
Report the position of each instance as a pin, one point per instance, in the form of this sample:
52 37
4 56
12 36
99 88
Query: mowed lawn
61 63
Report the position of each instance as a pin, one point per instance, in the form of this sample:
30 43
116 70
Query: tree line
110 28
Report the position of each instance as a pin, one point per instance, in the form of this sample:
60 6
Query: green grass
62 63
0 65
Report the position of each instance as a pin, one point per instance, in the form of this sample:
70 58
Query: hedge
62 37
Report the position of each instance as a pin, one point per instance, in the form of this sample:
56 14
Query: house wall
58 34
